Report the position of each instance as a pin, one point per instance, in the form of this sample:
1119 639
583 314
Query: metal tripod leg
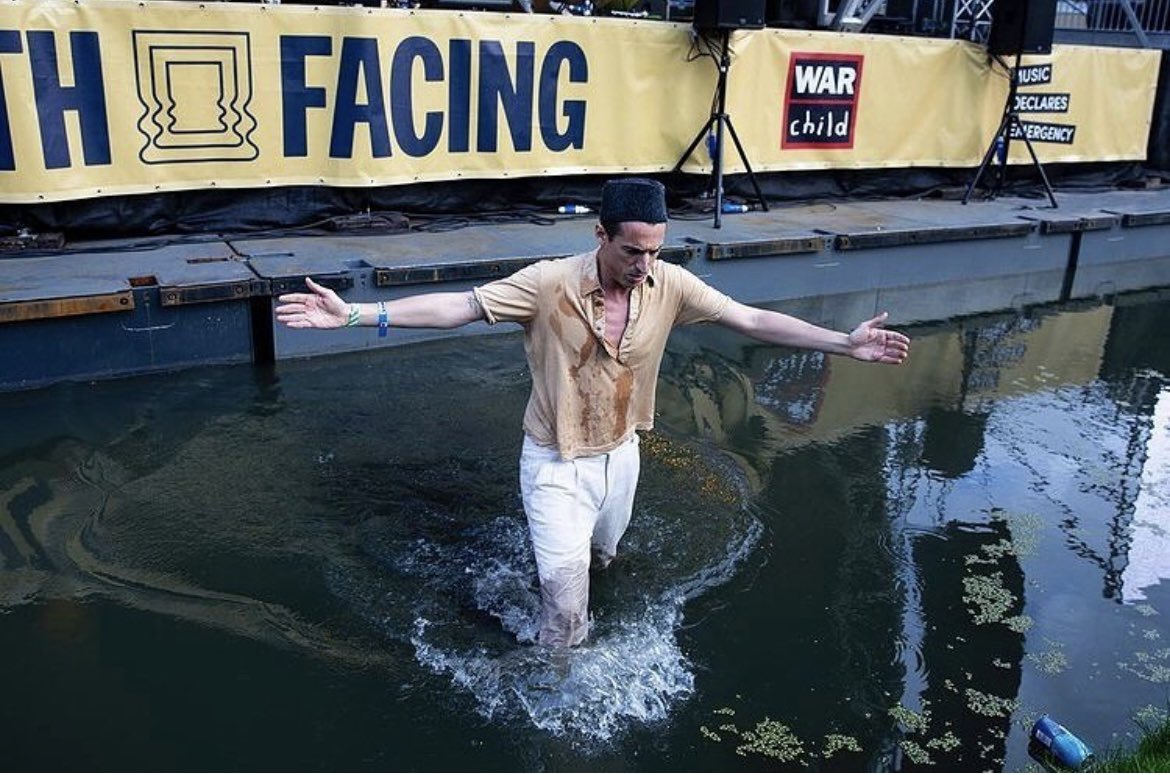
719 117
1009 125
747 166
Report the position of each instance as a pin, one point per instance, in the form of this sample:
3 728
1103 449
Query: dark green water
324 567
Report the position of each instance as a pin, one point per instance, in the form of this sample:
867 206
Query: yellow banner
869 101
103 97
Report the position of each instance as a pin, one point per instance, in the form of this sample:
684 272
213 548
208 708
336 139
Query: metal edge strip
177 296
902 237
491 269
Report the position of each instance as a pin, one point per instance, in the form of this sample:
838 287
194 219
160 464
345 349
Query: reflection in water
832 565
1149 542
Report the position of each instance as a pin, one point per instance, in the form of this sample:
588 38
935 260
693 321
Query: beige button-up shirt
588 394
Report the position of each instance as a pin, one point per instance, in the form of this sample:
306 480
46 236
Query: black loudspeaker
1022 27
729 14
791 13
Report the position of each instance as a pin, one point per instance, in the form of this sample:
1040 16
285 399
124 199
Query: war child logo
820 100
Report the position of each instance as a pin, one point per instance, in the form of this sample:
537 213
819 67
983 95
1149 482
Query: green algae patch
987 599
707 733
1052 661
911 721
1150 666
772 740
1151 716
989 704
835 743
916 753
1020 624
948 741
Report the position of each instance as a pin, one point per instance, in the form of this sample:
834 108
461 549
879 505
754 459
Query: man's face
625 258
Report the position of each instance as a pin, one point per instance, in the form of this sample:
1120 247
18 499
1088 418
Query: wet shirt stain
588 394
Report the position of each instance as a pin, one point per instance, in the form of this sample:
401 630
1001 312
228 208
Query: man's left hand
870 342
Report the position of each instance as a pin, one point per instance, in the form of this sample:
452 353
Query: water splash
630 671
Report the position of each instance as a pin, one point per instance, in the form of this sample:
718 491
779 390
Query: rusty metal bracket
772 247
41 309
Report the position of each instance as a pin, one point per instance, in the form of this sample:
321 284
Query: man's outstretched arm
322 308
868 342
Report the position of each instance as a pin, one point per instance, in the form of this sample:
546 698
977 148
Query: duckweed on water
835 743
1025 530
910 720
769 738
1052 661
989 704
916 753
1020 624
1150 667
987 599
687 463
917 723
1151 716
949 741
773 740
1000 549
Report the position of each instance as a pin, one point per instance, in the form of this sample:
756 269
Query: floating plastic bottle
1063 746
735 207
573 210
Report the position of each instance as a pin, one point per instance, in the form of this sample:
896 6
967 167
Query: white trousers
576 509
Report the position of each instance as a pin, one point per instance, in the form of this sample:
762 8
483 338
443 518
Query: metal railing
1119 20
1113 15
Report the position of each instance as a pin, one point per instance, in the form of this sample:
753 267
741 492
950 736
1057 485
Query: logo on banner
196 88
820 100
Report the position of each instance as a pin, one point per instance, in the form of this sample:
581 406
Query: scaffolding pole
972 20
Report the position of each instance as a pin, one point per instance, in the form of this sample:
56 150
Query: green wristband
355 315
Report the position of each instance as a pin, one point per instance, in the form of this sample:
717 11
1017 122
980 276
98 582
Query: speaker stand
720 118
1001 142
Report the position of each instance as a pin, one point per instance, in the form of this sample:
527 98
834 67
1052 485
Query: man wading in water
595 326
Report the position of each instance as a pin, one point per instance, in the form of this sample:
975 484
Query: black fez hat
633 199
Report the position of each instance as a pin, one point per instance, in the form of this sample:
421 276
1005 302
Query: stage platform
109 309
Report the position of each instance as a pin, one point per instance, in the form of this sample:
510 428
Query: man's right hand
320 309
